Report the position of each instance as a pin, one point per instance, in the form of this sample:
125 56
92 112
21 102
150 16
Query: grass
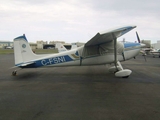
6 51
45 51
37 51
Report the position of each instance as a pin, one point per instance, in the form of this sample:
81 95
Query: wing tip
119 28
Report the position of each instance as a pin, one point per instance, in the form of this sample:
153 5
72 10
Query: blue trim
128 27
125 29
127 45
48 61
21 37
77 53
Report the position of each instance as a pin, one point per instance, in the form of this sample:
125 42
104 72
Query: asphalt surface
80 93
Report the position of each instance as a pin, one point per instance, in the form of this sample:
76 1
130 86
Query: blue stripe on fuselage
127 45
49 61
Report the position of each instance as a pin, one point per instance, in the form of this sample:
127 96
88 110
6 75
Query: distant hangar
39 44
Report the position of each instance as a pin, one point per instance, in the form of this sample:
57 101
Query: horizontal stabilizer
25 64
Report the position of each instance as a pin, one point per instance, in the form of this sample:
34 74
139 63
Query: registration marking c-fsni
54 60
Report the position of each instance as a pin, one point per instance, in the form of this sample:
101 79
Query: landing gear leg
120 72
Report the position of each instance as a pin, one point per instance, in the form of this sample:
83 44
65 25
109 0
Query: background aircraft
155 53
73 46
103 48
147 48
61 47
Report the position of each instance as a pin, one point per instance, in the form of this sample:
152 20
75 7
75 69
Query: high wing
107 36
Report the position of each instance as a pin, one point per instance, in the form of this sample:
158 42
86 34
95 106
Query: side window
90 51
106 48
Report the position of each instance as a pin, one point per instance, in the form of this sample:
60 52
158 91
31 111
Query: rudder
22 50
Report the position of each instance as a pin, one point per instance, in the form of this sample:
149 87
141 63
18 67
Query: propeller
139 41
143 52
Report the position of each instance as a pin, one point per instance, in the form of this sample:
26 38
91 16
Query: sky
78 20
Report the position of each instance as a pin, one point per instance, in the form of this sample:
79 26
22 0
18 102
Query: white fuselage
75 57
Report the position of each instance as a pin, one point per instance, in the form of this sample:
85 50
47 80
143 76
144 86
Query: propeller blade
138 37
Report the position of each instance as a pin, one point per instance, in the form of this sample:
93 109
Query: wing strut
119 72
115 50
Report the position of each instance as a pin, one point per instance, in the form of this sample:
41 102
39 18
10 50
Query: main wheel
14 73
125 73
125 77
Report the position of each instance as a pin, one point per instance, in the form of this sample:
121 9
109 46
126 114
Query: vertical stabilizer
73 46
60 47
22 50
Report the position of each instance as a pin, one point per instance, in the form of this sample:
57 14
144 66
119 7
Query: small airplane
73 46
9 47
103 48
61 47
155 53
145 50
